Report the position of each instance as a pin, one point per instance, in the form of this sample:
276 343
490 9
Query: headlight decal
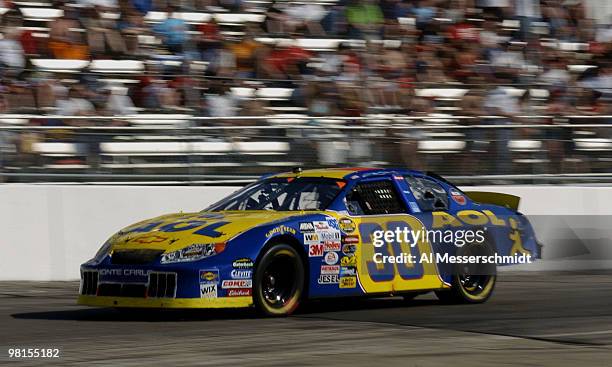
194 252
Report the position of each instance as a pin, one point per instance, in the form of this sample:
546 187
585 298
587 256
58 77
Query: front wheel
279 281
471 283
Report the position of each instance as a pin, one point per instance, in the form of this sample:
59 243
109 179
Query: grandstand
133 89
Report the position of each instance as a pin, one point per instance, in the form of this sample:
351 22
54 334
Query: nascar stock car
312 234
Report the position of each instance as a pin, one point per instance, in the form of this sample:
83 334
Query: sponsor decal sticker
349 261
333 224
208 290
331 246
347 225
330 269
350 239
329 236
310 238
244 263
306 227
457 197
211 275
321 225
348 271
316 250
209 278
240 292
241 274
280 230
328 279
349 249
331 258
348 282
237 283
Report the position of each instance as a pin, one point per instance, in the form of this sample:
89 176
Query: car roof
347 173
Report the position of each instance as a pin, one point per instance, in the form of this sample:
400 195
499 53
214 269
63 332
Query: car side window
377 197
429 194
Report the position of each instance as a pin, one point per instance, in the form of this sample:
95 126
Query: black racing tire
471 283
278 285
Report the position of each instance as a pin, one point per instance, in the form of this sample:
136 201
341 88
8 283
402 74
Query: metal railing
236 150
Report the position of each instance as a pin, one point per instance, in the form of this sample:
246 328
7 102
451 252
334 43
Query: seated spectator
65 42
424 12
76 103
102 35
210 40
221 102
131 25
12 57
364 18
287 61
308 16
245 55
173 31
117 102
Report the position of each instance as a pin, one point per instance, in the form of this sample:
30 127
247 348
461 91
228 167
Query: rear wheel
279 281
471 283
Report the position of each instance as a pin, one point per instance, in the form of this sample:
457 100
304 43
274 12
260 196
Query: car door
386 264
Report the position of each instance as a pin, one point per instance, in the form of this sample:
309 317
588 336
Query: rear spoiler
495 198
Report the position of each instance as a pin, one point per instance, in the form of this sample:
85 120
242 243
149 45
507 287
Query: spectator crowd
511 58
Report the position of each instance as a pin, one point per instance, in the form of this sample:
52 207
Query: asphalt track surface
533 319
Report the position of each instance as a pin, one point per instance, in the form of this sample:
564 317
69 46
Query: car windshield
283 194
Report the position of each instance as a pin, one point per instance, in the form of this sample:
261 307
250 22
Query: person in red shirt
287 61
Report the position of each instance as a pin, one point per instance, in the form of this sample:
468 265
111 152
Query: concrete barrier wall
48 230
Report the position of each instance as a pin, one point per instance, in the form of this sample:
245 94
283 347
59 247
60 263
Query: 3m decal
316 250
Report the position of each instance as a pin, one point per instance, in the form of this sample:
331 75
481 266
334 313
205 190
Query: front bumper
155 286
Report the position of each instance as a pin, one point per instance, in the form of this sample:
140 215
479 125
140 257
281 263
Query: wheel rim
278 282
474 284
476 279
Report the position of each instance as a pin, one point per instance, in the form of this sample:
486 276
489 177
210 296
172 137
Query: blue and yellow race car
311 234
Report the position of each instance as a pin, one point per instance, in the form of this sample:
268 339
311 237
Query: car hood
176 231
